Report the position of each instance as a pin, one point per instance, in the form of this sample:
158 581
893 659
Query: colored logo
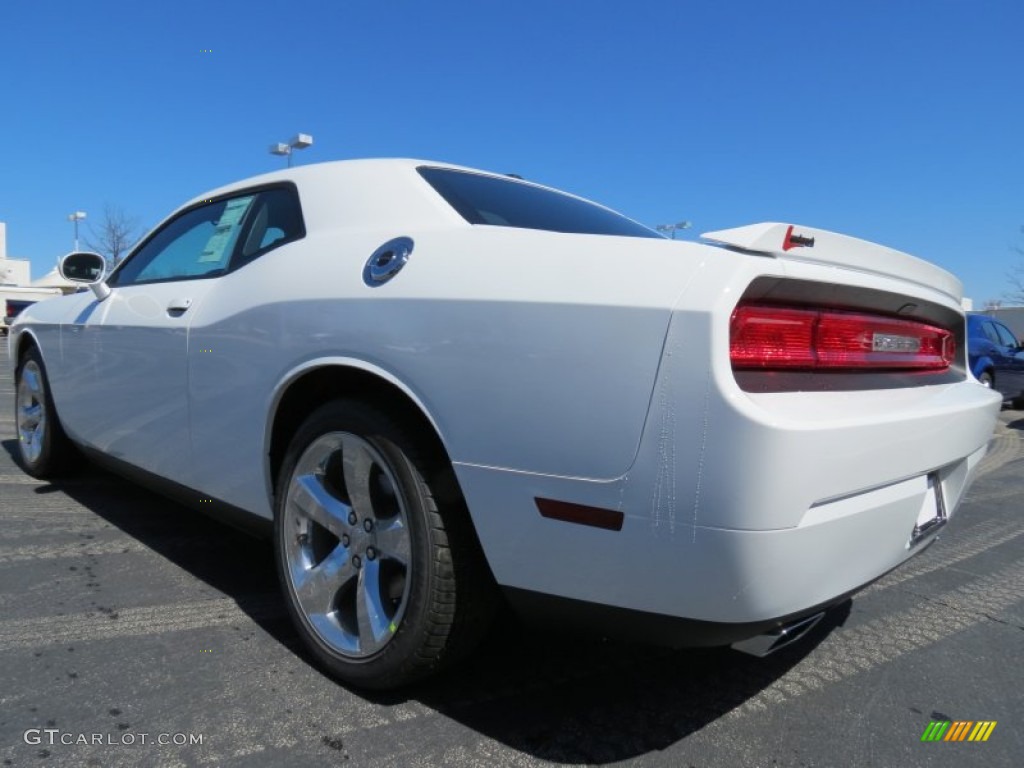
796 241
958 730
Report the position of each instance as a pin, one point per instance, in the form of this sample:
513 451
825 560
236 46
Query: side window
990 333
1006 338
276 219
199 243
504 202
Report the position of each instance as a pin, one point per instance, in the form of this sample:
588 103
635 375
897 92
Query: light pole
674 227
299 141
76 217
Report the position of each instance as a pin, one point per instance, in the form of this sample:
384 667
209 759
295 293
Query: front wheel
43 447
381 572
986 379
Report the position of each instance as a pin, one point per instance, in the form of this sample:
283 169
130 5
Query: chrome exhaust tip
769 642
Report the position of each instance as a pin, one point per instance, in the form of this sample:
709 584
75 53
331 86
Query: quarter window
501 202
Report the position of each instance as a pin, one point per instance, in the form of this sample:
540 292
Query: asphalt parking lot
125 618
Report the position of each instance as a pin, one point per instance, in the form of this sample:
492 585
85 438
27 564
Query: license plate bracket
933 511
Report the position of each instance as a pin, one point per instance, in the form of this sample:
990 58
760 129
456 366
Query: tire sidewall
397 657
43 464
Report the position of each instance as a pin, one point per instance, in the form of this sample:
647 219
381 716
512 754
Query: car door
134 404
1012 361
237 347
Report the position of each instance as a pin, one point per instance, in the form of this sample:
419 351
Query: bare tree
1016 279
115 234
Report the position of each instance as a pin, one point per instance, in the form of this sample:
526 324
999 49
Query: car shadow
588 700
538 690
238 565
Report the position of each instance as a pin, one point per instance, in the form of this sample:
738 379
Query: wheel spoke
31 415
30 376
392 540
31 445
316 587
374 624
313 500
357 463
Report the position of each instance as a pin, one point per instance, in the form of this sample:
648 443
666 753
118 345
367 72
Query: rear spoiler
819 246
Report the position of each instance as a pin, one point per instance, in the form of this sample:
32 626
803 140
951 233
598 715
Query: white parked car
440 385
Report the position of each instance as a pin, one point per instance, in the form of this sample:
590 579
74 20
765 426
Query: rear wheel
381 572
986 379
43 448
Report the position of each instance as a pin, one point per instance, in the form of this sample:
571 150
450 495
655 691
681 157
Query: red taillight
770 337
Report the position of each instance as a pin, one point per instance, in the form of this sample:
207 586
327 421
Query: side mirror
87 268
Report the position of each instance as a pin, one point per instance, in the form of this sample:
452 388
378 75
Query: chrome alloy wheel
347 547
31 412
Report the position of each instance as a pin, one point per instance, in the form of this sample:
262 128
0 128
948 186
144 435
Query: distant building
12 271
18 272
16 288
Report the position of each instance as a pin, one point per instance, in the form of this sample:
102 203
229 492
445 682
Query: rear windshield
501 202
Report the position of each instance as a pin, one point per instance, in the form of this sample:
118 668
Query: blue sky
896 121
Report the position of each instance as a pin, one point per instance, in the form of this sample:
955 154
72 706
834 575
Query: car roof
364 192
313 171
976 318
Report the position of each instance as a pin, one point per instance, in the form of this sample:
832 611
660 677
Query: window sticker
226 230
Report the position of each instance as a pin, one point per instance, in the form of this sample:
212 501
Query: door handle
178 306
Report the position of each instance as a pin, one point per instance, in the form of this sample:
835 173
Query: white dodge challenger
438 386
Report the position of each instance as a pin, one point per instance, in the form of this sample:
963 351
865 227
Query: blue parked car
996 357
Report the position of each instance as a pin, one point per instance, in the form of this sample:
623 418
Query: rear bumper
744 508
837 547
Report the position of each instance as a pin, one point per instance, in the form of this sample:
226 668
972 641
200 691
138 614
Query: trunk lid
819 246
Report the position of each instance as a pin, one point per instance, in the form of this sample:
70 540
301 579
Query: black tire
43 448
986 379
402 547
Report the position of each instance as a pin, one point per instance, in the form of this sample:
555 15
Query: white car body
589 369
